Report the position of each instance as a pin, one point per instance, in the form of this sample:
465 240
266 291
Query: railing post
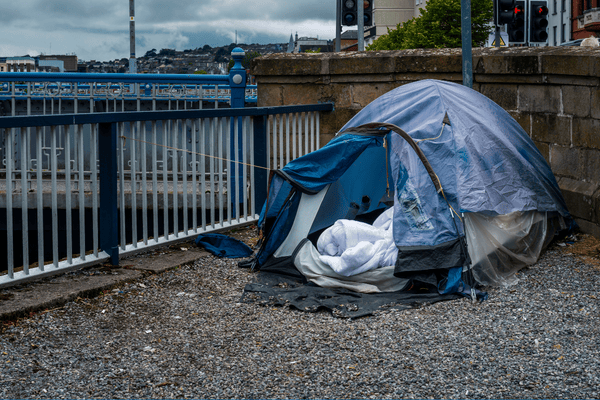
237 83
237 79
261 175
107 149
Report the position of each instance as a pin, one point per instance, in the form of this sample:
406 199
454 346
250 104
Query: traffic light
538 21
504 11
349 13
368 12
517 29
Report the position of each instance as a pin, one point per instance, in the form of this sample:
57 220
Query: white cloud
100 30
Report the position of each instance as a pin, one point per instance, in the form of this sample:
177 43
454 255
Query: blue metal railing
214 165
15 86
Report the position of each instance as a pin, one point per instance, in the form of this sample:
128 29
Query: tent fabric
449 165
484 159
223 245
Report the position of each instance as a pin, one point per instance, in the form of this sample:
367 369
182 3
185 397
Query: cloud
100 29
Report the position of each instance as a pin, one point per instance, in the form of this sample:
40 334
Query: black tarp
291 290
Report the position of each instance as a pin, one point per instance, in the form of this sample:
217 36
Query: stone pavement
55 291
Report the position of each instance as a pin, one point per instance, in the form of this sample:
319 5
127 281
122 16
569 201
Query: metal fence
147 179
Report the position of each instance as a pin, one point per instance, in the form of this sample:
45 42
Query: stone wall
554 93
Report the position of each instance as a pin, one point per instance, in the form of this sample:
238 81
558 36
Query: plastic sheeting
499 246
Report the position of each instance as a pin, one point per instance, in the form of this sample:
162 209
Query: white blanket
352 247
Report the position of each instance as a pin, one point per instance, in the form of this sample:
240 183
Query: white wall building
559 22
389 13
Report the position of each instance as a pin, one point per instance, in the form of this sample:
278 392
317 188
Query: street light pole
360 11
467 51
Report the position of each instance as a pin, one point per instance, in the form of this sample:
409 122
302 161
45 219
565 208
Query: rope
193 152
442 131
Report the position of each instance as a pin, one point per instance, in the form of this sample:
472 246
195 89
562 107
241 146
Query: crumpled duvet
352 247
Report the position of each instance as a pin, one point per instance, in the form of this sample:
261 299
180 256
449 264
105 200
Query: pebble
537 339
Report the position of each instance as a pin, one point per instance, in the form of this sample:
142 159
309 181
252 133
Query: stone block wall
553 92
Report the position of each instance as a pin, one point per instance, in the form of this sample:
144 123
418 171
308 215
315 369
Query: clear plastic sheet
501 245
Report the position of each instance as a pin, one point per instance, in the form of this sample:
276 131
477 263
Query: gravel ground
184 333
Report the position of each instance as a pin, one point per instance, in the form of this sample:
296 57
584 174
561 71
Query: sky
99 29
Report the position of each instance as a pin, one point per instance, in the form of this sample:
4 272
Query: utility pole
338 26
467 51
360 11
132 64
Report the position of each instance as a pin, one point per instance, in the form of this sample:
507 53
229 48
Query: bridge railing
81 189
42 93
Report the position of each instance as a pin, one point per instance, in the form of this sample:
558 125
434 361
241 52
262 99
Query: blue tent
472 199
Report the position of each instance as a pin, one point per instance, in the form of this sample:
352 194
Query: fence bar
229 154
265 121
107 146
9 206
318 131
54 168
312 131
175 132
287 138
211 163
122 185
194 140
222 132
94 169
243 167
144 156
165 130
40 199
154 182
294 138
184 157
250 128
133 183
237 174
260 134
81 186
68 194
24 209
281 154
202 138
274 141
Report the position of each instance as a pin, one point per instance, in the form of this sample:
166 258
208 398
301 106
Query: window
563 7
554 29
562 34
555 1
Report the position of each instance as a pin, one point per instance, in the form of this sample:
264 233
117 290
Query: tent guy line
125 138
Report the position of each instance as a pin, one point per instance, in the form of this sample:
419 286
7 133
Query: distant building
559 22
20 64
3 66
390 13
349 41
69 61
51 66
585 17
301 45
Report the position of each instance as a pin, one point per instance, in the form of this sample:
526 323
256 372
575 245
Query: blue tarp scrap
223 245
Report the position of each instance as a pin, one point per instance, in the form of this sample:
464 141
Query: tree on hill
150 53
438 26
